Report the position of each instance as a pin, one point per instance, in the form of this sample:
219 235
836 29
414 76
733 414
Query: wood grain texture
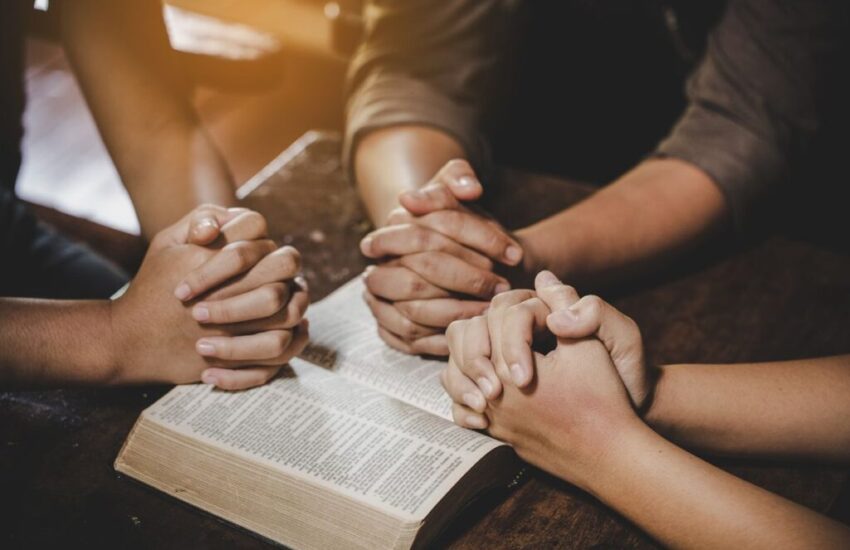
766 299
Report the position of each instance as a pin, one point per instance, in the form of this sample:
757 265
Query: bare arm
141 102
781 409
686 502
657 209
577 420
228 314
55 342
395 159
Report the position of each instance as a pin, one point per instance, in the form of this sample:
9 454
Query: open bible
351 447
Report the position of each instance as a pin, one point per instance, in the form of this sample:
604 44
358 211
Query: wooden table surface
765 299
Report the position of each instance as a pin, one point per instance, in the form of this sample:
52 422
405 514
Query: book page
344 338
321 428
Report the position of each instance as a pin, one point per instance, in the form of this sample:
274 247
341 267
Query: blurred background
266 72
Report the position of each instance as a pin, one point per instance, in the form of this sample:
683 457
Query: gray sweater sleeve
427 63
758 96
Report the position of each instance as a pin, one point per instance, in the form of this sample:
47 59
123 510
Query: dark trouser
38 262
35 260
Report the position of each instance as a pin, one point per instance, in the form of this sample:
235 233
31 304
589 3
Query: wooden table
768 299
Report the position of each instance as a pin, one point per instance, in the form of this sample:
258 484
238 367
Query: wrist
116 348
614 471
540 252
653 412
589 461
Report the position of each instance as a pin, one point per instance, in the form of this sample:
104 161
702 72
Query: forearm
395 159
659 208
140 100
47 342
685 502
782 409
188 172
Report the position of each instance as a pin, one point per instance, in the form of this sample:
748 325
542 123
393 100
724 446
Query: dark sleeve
758 97
428 63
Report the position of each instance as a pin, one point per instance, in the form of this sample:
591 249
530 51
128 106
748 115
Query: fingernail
475 422
547 278
366 245
486 386
182 292
201 313
517 374
208 223
502 287
205 348
369 269
467 182
209 378
513 254
474 401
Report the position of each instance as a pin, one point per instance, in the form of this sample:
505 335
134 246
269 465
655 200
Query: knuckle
258 222
197 280
293 257
416 286
410 309
240 255
455 328
518 311
225 351
481 284
454 222
275 296
493 240
477 367
397 216
499 300
568 291
281 342
456 165
593 304
219 313
443 378
426 262
408 330
422 238
506 299
633 327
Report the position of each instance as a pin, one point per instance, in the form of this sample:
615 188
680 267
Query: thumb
456 182
592 316
207 224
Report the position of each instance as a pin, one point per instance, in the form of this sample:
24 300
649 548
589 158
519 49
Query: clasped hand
215 299
558 408
436 262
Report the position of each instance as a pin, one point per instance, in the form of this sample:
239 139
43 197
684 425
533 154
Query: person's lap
39 262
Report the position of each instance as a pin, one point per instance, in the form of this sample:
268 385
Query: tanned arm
140 100
659 208
396 159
